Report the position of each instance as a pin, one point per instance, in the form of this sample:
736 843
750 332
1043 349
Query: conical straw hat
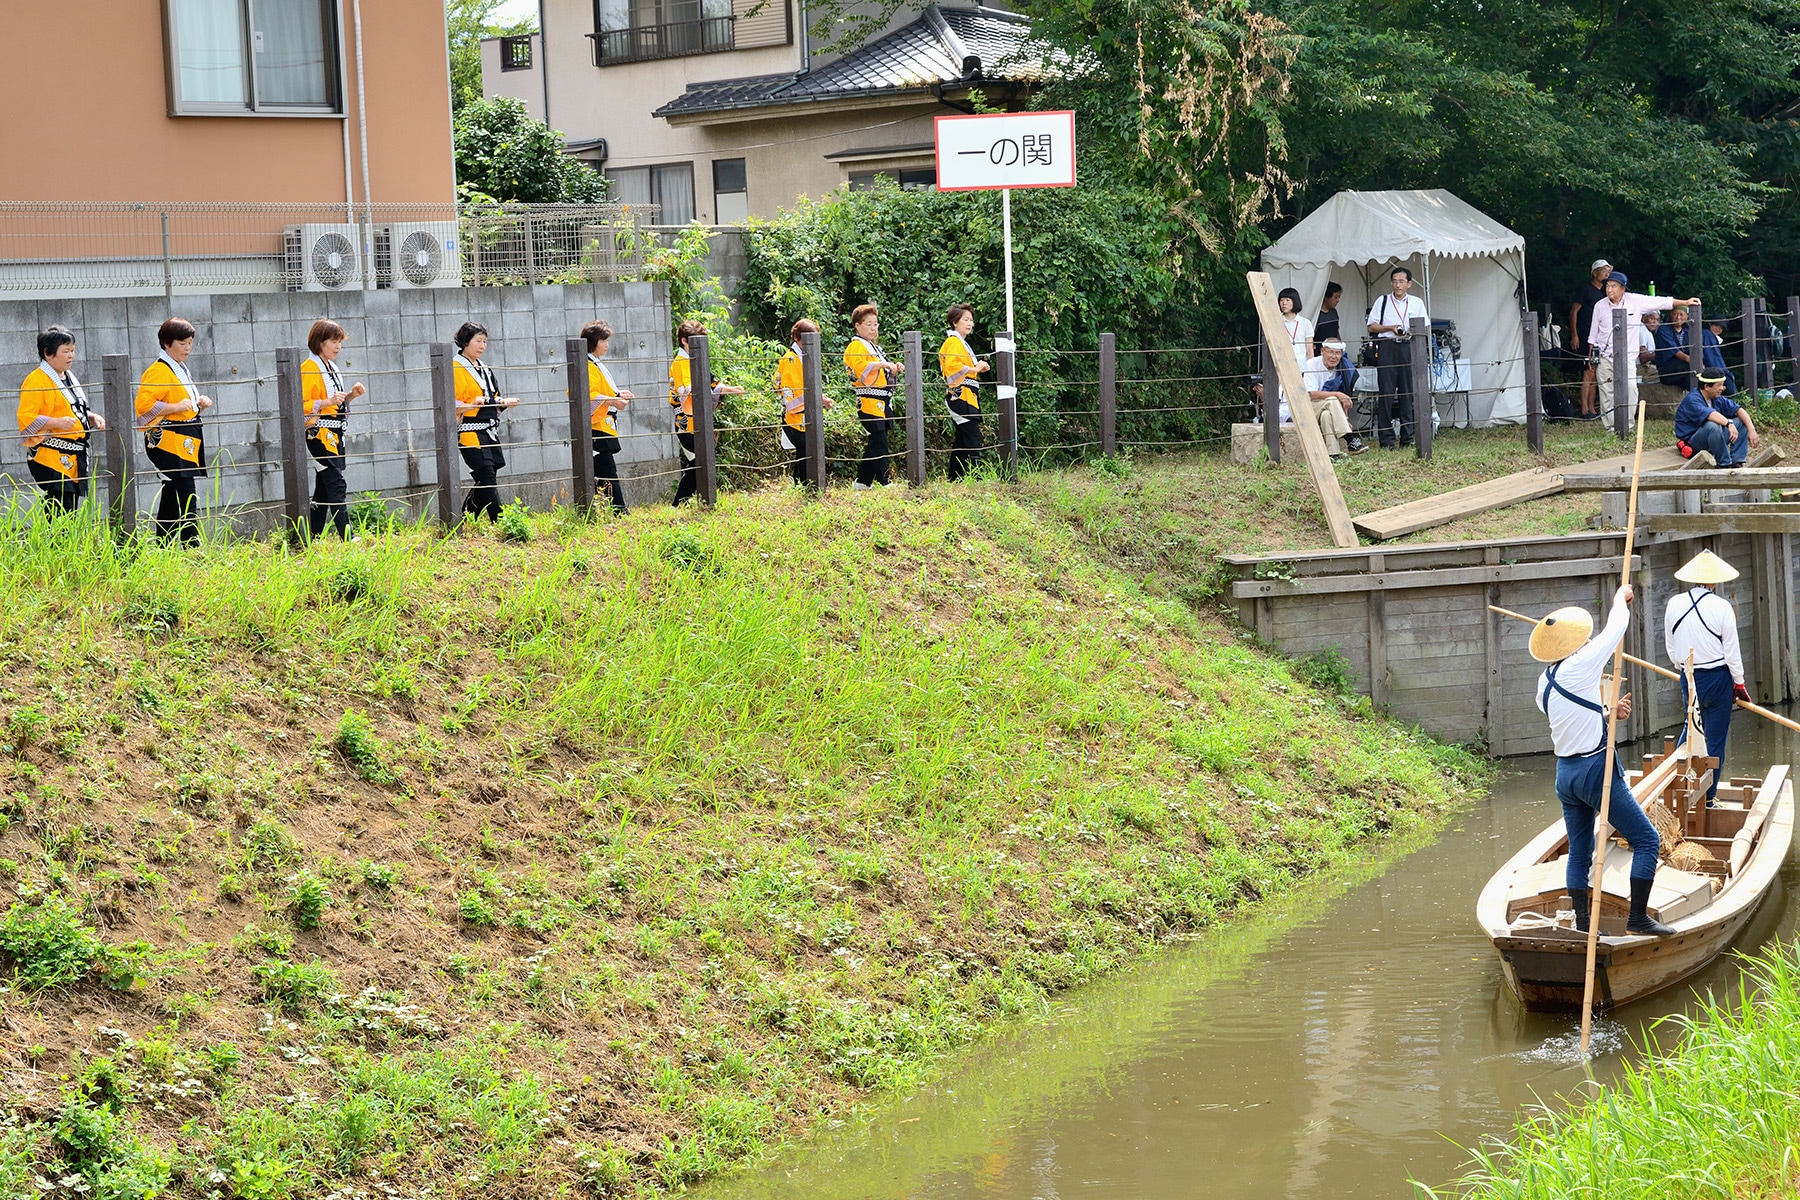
1561 634
1707 567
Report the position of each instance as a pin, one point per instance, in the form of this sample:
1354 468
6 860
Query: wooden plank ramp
1490 494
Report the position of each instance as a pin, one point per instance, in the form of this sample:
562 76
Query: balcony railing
645 42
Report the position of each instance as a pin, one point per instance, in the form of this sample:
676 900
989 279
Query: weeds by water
1717 1116
609 858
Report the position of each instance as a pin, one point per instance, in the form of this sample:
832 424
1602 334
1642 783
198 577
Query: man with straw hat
1701 622
1568 693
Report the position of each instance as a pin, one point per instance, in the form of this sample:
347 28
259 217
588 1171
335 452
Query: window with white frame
261 57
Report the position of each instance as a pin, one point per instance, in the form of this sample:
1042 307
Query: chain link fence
97 249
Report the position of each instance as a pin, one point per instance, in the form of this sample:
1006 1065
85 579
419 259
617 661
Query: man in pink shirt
1600 338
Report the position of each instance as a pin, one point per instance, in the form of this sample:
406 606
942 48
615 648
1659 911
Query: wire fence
82 249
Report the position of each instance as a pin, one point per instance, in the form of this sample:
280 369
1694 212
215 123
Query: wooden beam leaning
290 421
1677 481
1108 402
120 414
912 354
444 423
1534 386
1312 442
581 425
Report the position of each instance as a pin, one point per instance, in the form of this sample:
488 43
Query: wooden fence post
706 460
120 414
444 427
812 401
1109 403
1423 410
1749 382
1793 337
1534 386
1623 356
1271 400
291 422
1006 391
1696 344
581 425
913 353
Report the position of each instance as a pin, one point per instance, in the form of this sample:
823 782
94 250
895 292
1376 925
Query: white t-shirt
1299 332
1389 311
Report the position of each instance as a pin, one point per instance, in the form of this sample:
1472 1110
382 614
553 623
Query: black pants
329 492
606 471
873 468
965 444
484 497
61 494
177 509
690 469
1394 374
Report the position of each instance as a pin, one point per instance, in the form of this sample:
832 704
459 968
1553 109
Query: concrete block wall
390 445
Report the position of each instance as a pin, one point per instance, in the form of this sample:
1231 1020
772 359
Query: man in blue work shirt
1672 349
1709 420
1712 354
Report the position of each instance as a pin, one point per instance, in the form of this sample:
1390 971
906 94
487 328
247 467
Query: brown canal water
1336 1044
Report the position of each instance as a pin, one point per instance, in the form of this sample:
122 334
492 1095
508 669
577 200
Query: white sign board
1006 150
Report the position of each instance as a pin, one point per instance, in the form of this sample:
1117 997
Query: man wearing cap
1701 622
1568 693
1600 336
1331 384
1707 419
1592 292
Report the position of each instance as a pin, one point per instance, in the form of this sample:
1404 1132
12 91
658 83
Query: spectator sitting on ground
1671 349
1646 359
1708 420
1326 327
1712 353
1331 387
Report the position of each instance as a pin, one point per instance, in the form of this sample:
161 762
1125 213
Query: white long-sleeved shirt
1635 305
1703 621
1574 730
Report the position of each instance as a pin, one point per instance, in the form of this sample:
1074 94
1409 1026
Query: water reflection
1334 1045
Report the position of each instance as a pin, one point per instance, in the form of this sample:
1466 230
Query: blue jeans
1712 438
1578 783
1713 686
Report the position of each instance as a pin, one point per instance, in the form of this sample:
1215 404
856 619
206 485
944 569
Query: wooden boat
1526 911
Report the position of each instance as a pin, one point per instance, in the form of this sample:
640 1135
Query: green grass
618 855
1719 1116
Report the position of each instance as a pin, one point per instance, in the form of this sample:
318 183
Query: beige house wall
95 121
785 153
524 84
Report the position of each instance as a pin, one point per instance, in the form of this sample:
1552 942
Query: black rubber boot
1581 898
1640 920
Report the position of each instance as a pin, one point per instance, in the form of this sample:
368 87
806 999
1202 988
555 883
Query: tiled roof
915 57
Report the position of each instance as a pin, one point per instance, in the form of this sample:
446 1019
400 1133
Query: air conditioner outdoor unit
322 258
419 254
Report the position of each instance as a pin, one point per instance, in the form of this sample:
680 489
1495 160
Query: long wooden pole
1597 872
1746 705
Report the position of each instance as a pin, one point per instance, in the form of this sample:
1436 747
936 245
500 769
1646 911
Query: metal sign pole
1006 233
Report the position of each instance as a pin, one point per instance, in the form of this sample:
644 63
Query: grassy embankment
603 861
1201 505
1719 1116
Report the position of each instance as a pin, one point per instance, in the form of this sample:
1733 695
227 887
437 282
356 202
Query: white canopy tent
1467 267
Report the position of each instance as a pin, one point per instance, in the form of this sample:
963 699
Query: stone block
102 340
640 295
514 299
233 308
272 334
66 313
421 330
517 328
268 307
232 337
548 298
355 330
416 302
415 356
1247 444
146 313
381 331
382 303
644 318
108 312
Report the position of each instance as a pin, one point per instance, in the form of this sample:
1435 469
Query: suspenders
1550 685
1694 611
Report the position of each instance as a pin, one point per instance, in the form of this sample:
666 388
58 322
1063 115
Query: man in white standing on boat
1703 622
1568 693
